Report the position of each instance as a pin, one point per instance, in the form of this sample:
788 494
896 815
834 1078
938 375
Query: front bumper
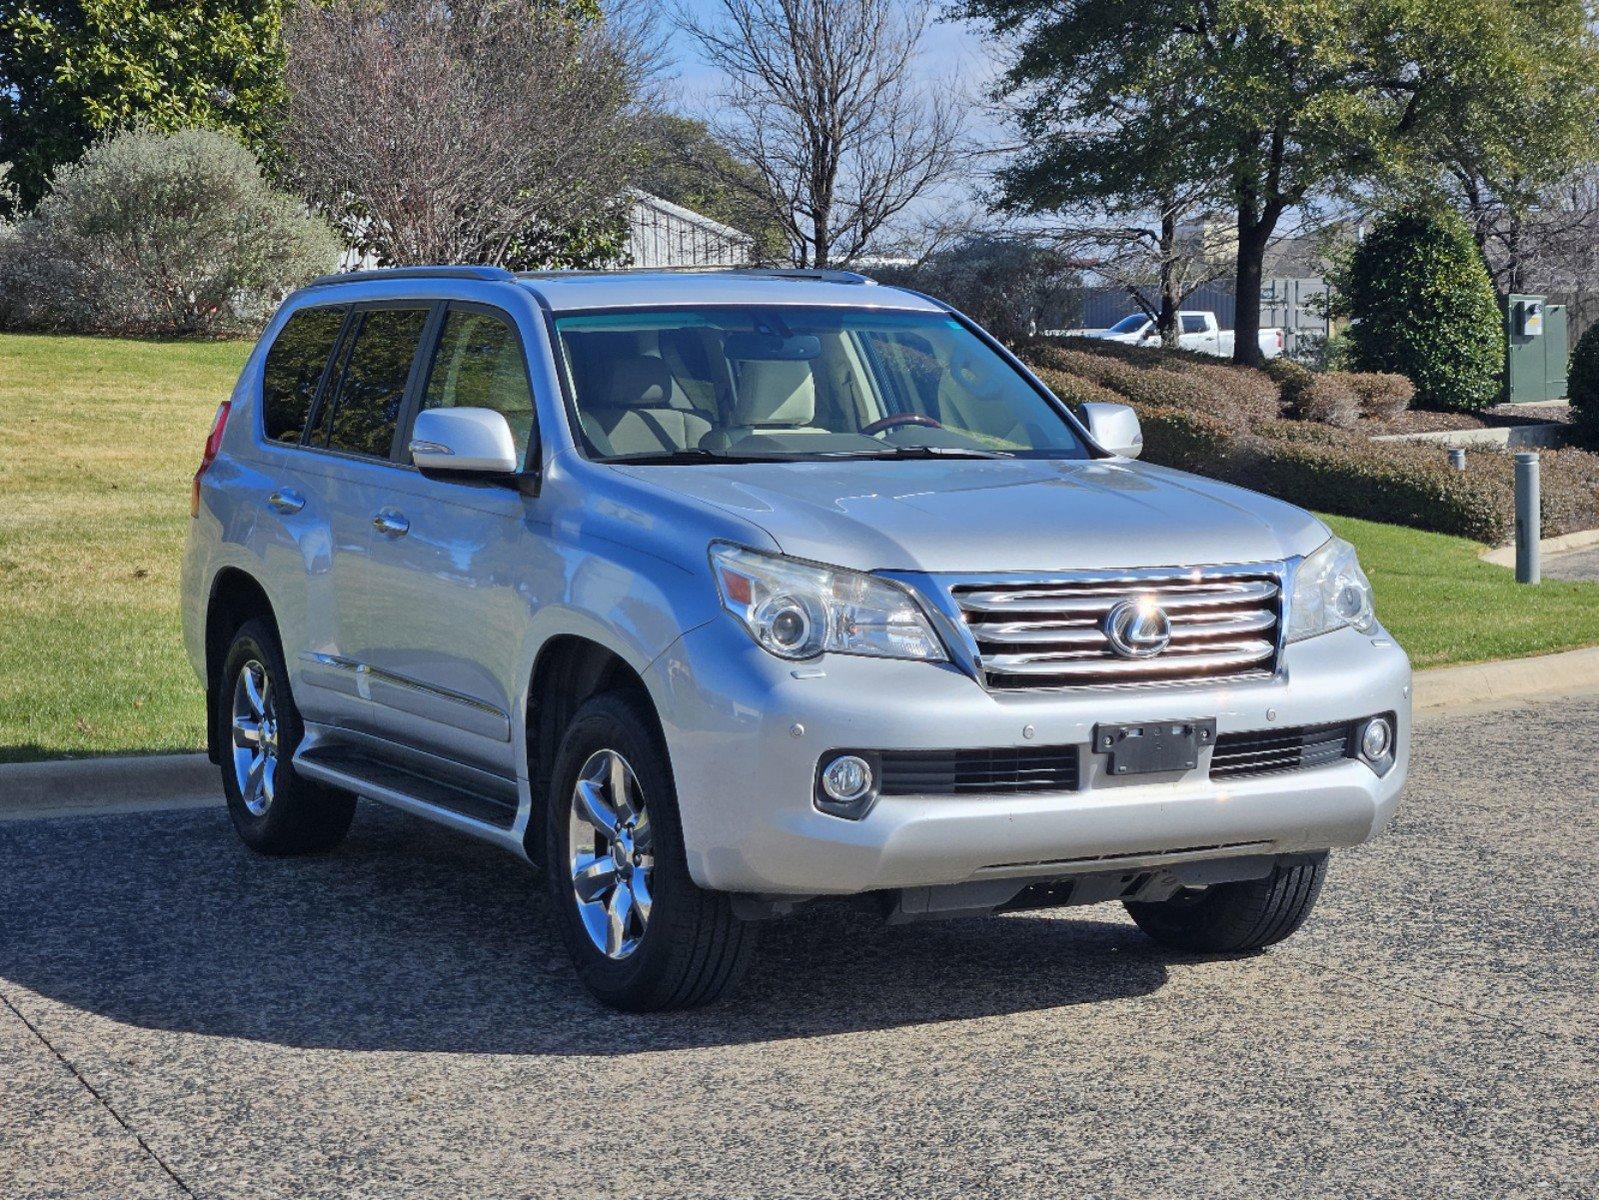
745 732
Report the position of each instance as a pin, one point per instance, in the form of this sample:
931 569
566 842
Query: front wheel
1231 918
642 935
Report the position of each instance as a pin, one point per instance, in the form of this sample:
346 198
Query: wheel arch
569 670
236 596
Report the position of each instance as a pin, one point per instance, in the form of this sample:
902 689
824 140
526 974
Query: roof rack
825 274
820 274
487 274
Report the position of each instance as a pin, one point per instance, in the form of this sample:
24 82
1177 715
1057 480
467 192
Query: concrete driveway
181 1018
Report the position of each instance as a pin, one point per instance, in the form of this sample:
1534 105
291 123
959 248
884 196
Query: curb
1485 684
170 781
1545 435
1505 556
124 783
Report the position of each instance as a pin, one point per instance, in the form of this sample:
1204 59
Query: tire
683 946
284 814
1232 918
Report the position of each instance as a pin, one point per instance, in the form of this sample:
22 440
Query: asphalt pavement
1573 564
181 1018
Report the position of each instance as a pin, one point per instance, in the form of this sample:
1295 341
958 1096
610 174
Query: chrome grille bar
1089 633
1101 598
1050 631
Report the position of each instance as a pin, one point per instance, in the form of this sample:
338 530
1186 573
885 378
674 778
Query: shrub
1400 483
1143 375
1188 440
1215 431
1424 307
1582 380
1382 394
157 233
1321 396
1077 391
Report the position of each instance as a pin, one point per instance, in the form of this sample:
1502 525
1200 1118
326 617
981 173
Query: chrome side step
488 813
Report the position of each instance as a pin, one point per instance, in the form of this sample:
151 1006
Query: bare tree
1158 257
820 99
500 133
1559 240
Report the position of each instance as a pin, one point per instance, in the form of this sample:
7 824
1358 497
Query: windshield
1130 324
794 382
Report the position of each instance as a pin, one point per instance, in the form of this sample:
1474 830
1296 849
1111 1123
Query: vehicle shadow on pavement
410 938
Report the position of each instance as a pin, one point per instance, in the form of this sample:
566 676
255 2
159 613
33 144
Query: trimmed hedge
1325 397
1197 419
1382 394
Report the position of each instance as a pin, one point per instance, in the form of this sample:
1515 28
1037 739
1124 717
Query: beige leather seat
631 411
770 397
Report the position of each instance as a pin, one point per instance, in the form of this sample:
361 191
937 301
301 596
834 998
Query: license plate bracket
1152 747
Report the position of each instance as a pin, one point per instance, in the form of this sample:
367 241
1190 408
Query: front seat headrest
775 392
637 381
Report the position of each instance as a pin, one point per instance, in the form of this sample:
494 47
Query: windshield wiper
945 452
692 454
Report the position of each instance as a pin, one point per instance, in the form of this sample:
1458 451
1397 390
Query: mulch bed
1417 420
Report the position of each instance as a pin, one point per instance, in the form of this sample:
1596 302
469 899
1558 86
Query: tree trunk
1170 297
1253 234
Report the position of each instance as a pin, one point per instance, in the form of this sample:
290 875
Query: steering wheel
894 420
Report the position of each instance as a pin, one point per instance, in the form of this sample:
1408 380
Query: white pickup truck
1200 332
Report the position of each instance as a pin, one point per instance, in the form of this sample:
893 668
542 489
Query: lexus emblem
1138 628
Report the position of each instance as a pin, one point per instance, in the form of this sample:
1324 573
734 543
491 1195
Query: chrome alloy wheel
255 738
612 854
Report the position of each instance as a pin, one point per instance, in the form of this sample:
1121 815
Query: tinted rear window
367 407
294 369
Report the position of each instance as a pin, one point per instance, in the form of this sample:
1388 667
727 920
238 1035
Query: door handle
286 501
391 524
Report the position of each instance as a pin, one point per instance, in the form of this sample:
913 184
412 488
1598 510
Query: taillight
213 443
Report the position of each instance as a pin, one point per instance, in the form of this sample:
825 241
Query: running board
356 771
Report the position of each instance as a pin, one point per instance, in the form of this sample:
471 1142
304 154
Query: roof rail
487 274
822 274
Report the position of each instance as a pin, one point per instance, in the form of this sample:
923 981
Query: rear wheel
274 810
1229 918
642 935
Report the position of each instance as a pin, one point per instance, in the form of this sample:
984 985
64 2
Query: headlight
1330 592
797 611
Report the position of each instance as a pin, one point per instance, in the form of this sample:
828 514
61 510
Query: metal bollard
1457 459
1528 522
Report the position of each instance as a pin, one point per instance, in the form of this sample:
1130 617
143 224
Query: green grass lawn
1445 606
98 441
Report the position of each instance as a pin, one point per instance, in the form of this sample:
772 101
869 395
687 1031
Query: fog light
1376 739
847 779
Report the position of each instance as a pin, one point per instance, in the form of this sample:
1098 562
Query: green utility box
1535 350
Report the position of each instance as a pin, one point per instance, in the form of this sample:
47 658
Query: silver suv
715 593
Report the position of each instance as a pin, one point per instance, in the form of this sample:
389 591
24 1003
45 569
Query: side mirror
474 441
1115 427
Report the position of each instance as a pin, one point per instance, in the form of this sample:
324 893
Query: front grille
1007 770
1051 633
1269 750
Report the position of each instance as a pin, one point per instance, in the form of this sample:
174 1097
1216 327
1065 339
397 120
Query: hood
985 515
